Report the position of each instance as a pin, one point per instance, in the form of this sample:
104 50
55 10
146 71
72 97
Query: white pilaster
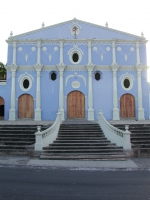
137 53
38 93
61 44
114 53
149 105
61 91
12 111
39 53
90 93
89 53
14 52
115 93
140 104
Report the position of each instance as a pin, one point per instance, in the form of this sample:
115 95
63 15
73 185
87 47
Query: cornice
74 41
78 68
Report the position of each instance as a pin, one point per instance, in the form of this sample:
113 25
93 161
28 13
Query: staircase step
84 157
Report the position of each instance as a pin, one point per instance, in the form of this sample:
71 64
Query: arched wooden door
2 107
25 106
75 105
127 106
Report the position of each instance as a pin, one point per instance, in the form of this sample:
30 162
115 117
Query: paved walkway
25 161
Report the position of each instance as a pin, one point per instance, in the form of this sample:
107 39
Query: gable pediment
85 31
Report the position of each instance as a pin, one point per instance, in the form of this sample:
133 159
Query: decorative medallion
75 84
75 29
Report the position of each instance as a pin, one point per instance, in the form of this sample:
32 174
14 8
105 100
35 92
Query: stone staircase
140 138
81 141
17 139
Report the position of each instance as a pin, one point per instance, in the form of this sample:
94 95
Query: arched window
53 76
97 75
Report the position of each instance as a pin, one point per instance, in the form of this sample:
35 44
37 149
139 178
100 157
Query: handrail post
126 136
38 139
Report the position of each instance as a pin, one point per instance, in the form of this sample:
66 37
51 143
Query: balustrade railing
115 135
46 137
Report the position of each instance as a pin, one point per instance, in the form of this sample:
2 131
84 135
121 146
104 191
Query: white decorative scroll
75 74
26 56
48 54
102 52
125 54
75 84
75 47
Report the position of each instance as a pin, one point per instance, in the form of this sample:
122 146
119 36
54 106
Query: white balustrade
47 136
115 135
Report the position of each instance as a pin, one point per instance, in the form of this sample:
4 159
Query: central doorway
127 106
75 105
25 106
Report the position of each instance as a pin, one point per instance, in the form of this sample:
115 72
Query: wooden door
25 106
127 106
2 107
76 105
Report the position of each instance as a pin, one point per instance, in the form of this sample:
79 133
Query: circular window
26 83
75 57
127 82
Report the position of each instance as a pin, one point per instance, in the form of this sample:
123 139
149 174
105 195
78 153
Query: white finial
142 34
106 24
11 34
43 25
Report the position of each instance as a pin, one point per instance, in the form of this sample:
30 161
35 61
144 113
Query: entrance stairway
80 140
140 137
17 139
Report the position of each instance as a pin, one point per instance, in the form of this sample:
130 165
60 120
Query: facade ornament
102 52
125 54
142 34
75 29
26 56
43 25
75 84
11 34
48 54
106 24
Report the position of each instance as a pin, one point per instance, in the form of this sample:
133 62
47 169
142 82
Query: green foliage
2 71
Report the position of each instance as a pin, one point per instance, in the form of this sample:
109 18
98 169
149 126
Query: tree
2 71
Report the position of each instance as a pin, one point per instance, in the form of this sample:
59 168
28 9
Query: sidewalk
25 161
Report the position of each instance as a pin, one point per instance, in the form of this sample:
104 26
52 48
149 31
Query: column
115 93
149 105
12 111
61 44
114 53
14 53
137 53
90 93
89 53
61 91
38 94
39 53
140 104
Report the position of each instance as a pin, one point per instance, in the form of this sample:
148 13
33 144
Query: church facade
76 67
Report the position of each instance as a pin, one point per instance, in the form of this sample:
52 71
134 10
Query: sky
20 16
